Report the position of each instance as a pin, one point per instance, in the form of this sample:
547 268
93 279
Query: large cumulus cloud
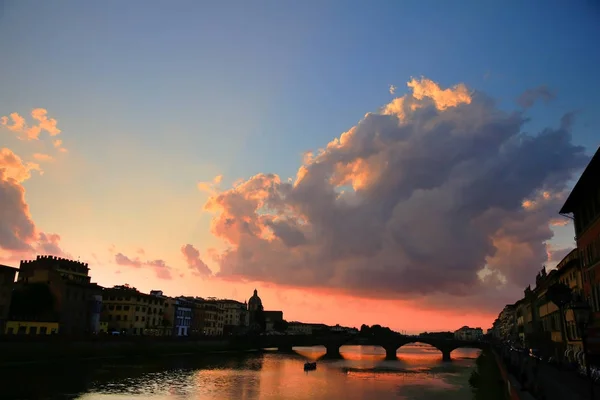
19 236
439 194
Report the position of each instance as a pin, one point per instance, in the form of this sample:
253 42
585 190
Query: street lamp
583 316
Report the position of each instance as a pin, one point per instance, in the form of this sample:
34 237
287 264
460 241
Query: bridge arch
445 354
332 343
445 346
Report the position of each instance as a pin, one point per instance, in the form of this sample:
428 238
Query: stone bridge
391 344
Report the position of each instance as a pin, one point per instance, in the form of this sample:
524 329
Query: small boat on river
310 366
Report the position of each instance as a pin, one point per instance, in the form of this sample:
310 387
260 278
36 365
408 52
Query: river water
419 374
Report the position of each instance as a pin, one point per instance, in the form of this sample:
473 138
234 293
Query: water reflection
418 374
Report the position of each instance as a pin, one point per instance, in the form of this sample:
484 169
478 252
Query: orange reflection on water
363 373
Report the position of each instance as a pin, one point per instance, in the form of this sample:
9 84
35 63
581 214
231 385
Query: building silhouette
68 288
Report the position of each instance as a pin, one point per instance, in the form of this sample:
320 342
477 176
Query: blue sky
154 96
266 83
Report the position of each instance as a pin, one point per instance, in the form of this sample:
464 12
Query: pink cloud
192 258
122 259
19 236
160 268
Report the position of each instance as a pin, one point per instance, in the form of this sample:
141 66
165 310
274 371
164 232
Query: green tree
365 330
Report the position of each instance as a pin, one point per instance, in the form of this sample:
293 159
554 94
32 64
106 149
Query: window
33 330
10 331
118 318
126 308
43 330
137 308
124 317
119 308
137 318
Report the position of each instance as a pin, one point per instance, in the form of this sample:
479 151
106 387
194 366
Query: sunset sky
400 163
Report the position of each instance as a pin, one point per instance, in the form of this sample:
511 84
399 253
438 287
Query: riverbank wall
511 384
23 352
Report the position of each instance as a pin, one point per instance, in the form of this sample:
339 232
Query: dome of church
255 303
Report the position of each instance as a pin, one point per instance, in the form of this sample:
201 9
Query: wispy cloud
194 262
160 268
40 123
16 123
43 157
530 96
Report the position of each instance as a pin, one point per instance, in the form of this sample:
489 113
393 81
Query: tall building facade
583 204
7 281
128 311
467 333
183 317
234 316
73 296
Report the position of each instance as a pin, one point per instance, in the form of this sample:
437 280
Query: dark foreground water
419 374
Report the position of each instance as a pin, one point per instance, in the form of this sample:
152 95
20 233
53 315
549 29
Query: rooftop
589 175
65 261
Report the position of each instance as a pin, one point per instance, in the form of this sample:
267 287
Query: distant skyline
400 164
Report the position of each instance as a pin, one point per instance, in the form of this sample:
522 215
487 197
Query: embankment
23 350
487 380
512 387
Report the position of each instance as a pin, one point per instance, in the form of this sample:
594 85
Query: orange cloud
14 167
210 187
559 222
44 123
442 98
18 124
424 90
32 132
57 143
43 157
